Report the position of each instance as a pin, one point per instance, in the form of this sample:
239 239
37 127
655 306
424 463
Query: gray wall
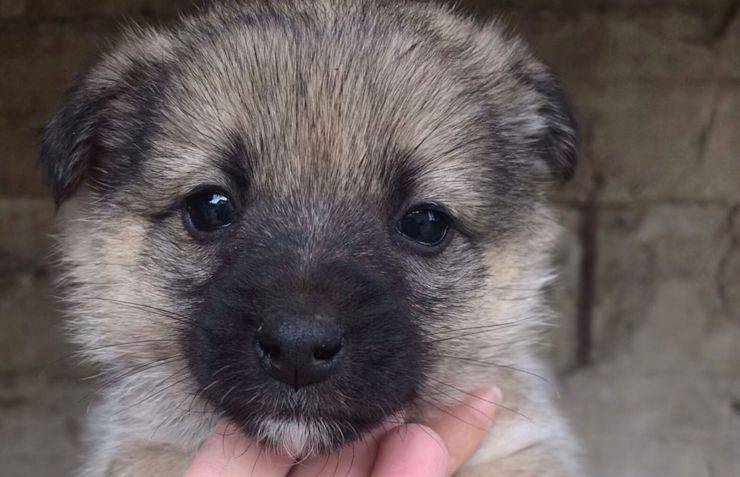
649 347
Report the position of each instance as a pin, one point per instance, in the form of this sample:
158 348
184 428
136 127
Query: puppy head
300 214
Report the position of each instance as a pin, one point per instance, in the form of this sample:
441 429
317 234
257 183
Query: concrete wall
649 349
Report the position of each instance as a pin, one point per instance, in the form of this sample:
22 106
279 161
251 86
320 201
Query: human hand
436 449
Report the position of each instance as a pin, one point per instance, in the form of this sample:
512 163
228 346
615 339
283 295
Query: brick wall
649 349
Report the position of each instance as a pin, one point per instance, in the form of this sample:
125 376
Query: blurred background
649 344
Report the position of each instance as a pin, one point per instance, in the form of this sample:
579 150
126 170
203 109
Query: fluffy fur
324 120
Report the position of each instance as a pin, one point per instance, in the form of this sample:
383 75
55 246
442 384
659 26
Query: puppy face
308 218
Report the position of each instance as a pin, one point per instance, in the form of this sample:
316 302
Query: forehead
297 111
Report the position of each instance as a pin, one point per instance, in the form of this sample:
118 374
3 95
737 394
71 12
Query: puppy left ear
69 140
103 108
558 144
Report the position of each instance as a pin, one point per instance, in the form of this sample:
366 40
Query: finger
463 427
411 450
354 460
228 453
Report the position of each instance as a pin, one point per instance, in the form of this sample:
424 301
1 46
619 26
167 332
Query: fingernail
495 394
492 394
487 399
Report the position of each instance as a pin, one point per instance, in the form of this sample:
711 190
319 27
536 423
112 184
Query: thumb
464 426
228 453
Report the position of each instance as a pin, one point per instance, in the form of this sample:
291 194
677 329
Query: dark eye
209 210
425 226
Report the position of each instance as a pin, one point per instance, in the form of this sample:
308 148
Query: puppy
309 217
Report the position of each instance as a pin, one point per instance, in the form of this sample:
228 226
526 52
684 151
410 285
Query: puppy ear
558 142
101 110
70 139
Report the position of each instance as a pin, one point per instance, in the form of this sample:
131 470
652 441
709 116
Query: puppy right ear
70 139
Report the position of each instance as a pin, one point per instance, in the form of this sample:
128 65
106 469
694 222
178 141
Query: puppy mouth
309 422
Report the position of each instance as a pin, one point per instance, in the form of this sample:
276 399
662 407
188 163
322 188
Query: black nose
299 351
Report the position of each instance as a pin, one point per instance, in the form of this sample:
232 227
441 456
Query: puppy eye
425 226
209 210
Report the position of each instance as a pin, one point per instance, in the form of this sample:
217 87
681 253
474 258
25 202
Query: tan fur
148 461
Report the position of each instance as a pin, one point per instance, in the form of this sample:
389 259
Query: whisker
154 394
80 354
482 399
463 403
352 459
497 365
337 465
486 326
259 455
449 413
479 331
159 311
225 395
134 370
221 369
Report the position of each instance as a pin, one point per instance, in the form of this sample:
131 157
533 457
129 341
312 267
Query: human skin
437 448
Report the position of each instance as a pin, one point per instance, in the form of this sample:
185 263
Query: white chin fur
297 439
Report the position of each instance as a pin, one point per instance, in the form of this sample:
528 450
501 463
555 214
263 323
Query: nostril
269 350
326 352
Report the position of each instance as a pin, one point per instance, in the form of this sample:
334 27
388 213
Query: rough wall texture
649 348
